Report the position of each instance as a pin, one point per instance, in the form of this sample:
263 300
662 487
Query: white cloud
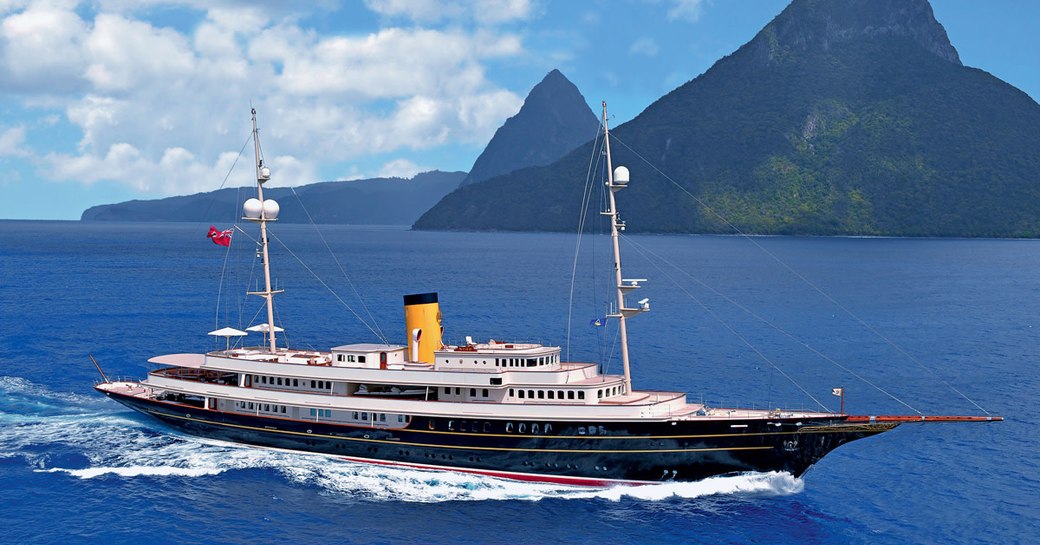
400 168
41 49
644 46
12 142
165 111
489 12
685 10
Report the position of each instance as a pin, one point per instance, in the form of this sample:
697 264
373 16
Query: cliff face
820 25
553 121
851 117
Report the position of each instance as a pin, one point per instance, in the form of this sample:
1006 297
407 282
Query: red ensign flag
222 238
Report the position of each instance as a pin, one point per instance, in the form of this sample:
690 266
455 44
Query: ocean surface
936 326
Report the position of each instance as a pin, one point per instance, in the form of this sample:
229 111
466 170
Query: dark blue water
76 467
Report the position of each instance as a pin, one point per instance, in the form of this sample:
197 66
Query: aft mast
616 181
260 211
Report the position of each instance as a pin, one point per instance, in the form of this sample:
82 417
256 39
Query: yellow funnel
422 321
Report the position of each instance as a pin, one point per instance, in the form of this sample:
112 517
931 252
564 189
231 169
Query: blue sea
938 326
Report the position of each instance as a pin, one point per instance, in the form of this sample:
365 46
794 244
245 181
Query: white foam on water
20 387
135 471
113 444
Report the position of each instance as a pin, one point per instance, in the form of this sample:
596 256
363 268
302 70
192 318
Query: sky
105 101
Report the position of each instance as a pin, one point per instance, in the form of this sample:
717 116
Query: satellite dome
621 176
271 209
251 209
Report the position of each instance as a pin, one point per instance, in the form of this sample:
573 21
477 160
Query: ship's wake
87 437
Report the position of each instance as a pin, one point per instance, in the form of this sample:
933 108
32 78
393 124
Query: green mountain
553 121
378 201
852 117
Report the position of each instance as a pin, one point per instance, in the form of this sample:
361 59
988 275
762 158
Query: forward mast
616 181
260 211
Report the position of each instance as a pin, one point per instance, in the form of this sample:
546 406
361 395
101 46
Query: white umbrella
264 328
227 333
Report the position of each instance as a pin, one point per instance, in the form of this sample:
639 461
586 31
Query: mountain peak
814 25
554 119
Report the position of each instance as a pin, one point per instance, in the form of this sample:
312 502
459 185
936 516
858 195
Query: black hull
568 453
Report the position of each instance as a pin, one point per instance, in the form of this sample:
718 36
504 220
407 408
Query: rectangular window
599 394
521 394
581 394
382 417
530 394
551 394
447 390
364 416
559 394
511 393
400 418
458 391
361 359
279 381
484 392
472 392
314 412
295 382
496 381
354 415
313 384
541 394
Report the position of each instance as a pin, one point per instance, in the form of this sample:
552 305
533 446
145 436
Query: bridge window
551 394
570 394
581 394
521 394
541 394
484 392
472 392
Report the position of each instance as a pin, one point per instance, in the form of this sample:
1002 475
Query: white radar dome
251 209
271 209
265 174
621 176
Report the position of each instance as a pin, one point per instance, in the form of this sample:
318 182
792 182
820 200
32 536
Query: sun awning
228 332
264 328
